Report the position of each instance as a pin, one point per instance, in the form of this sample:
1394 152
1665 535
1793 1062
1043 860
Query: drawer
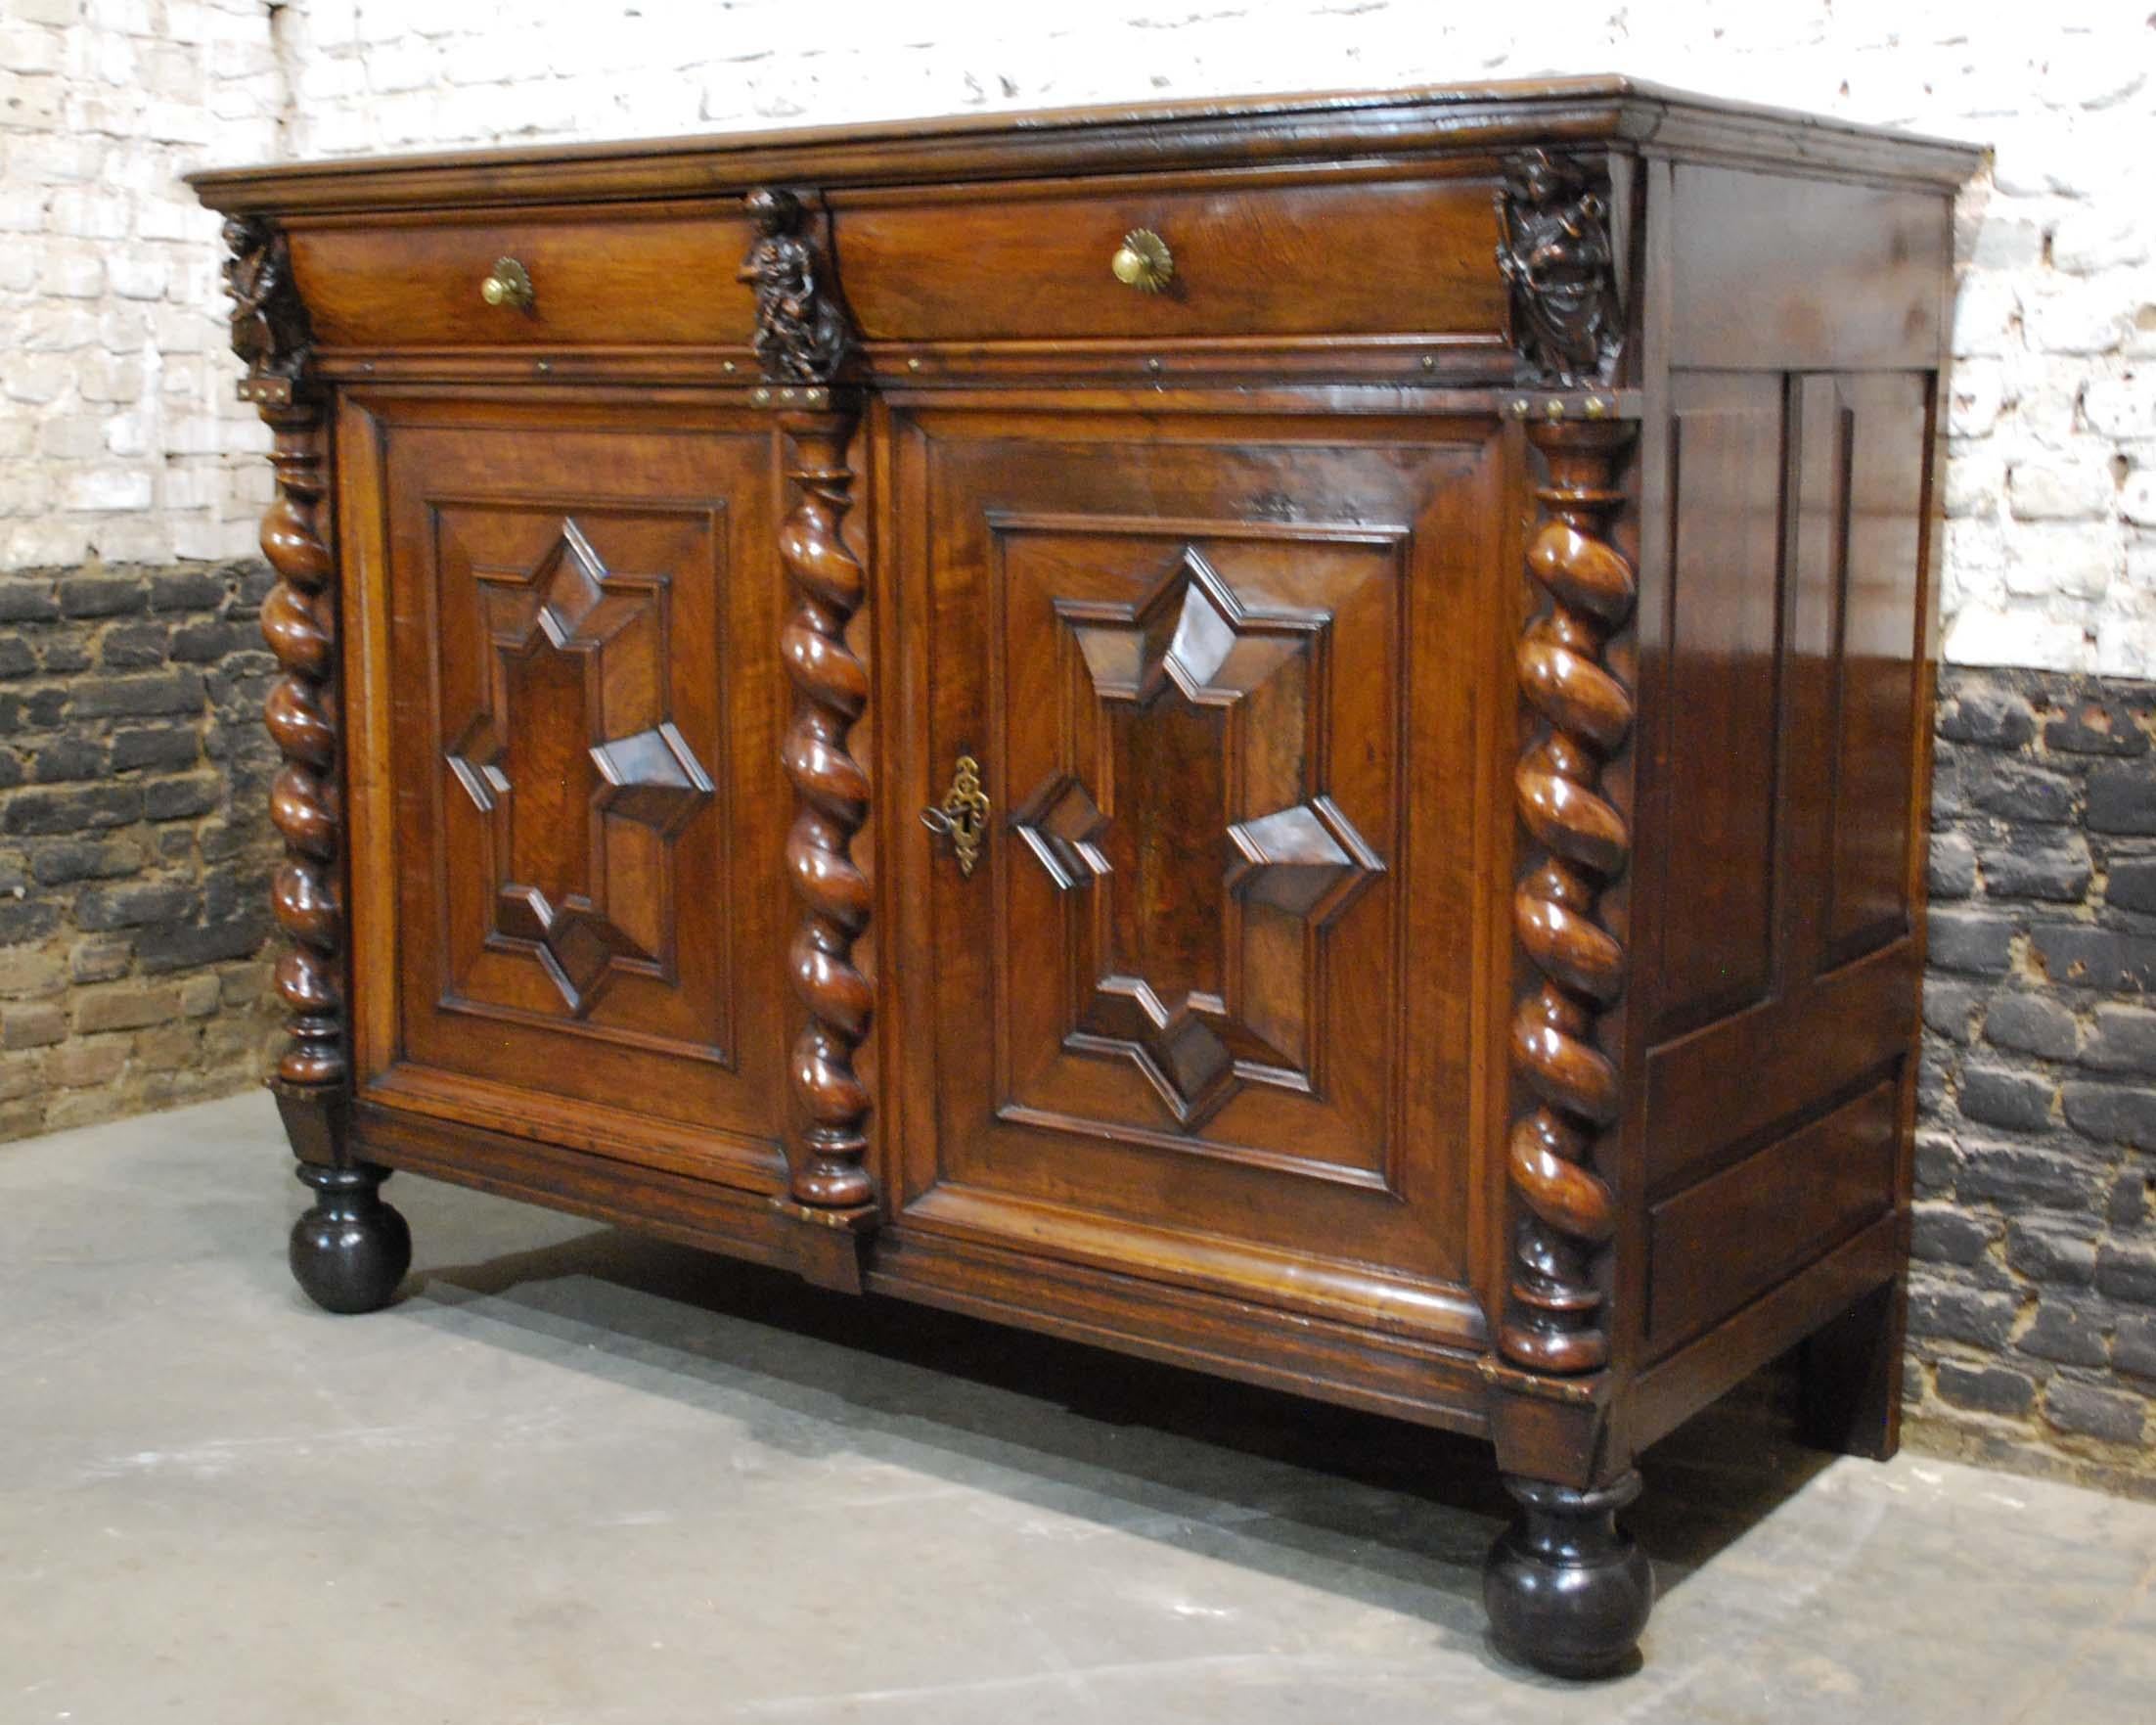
620 280
1363 258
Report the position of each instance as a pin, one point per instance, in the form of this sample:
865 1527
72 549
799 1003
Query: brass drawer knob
509 285
1142 261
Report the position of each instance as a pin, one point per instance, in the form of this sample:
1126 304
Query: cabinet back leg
1851 1377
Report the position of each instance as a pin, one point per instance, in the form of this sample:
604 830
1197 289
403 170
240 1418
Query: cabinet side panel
1785 274
1795 1200
1806 753
1876 442
1806 323
1718 719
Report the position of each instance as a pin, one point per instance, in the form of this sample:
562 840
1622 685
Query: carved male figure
800 330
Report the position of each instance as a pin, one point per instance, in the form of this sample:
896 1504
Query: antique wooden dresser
1288 734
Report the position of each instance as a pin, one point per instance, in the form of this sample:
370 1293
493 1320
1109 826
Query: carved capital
1554 250
1565 1213
270 329
802 332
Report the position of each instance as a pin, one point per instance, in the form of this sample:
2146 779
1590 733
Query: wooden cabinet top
1381 126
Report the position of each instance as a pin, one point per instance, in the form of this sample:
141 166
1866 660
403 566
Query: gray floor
582 1478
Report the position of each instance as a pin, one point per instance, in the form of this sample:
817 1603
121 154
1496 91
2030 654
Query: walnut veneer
1288 734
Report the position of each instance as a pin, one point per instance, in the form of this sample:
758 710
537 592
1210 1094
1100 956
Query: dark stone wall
2033 1304
135 843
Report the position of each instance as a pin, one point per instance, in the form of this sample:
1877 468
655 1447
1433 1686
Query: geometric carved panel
1213 994
572 799
1211 864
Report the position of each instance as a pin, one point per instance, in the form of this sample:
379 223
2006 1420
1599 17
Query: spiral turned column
1566 1214
272 334
349 1250
831 791
299 622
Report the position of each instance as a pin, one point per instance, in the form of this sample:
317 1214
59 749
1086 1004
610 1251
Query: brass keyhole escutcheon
1142 261
962 815
509 285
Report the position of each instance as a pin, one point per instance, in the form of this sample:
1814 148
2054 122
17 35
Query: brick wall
135 845
118 431
118 435
2033 1311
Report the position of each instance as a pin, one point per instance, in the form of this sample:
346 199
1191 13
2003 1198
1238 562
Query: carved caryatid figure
1556 251
269 324
801 334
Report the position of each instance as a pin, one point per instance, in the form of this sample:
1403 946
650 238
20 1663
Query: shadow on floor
1389 1514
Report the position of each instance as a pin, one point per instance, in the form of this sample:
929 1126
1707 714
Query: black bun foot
350 1250
1567 1590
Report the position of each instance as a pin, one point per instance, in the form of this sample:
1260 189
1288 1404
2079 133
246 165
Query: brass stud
1519 408
913 364
1554 409
1429 362
761 397
1153 365
542 366
730 366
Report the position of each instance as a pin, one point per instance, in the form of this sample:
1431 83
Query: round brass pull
1142 261
509 285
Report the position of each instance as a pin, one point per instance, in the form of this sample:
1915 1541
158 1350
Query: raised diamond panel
1198 833
569 644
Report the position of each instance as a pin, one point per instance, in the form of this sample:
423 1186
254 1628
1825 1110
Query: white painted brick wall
118 434
118 437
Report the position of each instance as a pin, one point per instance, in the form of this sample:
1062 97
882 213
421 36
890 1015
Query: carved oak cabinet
1288 734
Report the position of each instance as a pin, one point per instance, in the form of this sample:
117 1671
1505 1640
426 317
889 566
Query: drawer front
618 281
570 809
1391 257
1208 999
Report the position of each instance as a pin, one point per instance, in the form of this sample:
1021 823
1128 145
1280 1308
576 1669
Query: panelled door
1204 1004
575 802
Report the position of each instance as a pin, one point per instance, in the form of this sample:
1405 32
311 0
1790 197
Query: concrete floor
582 1478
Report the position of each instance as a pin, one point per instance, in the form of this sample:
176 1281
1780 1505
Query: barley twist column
349 1250
831 792
1566 1212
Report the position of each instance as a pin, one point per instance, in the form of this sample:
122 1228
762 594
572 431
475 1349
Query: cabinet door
1207 1004
568 776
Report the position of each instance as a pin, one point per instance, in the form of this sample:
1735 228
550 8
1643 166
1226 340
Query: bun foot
350 1250
1567 1590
